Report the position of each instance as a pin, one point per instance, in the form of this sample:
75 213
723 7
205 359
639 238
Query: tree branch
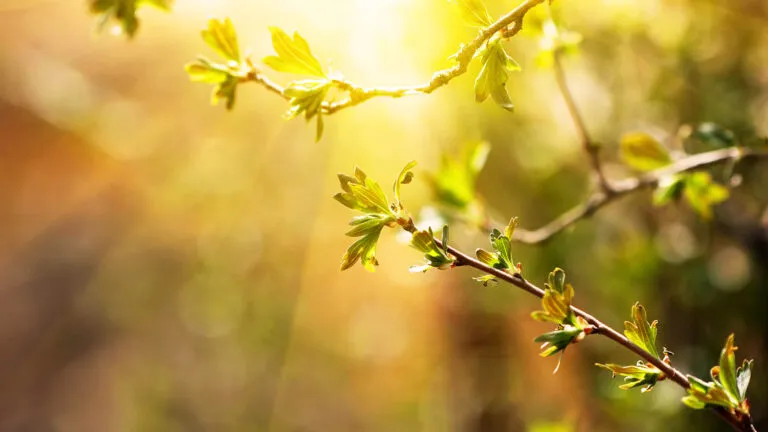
628 186
743 425
590 147
509 25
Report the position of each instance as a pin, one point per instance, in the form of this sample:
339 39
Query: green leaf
556 302
714 136
635 376
702 193
474 12
558 340
405 177
504 248
222 38
363 194
492 79
487 258
640 331
124 12
643 153
728 369
306 97
485 279
454 182
293 55
668 189
743 376
364 250
435 256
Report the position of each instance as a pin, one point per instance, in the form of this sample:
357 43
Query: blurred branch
743 424
628 186
590 147
508 25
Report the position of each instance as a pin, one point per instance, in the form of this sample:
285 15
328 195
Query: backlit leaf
643 153
293 55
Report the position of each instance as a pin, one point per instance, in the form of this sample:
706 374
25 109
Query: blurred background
169 266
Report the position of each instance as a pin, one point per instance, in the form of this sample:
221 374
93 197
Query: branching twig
671 373
509 25
625 187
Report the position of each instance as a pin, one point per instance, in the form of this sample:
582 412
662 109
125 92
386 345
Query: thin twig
590 147
462 259
509 25
628 186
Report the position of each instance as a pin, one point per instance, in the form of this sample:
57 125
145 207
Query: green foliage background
169 266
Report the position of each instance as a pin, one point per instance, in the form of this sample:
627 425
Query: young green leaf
293 55
124 12
453 185
668 189
306 97
640 331
405 177
502 258
635 376
435 256
556 302
222 38
728 387
728 369
492 79
363 249
702 193
474 12
743 376
365 195
643 153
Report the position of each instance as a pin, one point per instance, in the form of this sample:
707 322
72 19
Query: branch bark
743 425
509 25
618 189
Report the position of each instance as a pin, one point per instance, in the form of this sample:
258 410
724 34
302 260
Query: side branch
462 259
590 147
621 188
509 25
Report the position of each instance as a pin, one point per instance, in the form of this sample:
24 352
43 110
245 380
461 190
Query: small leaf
728 369
124 12
487 258
743 376
454 182
669 189
635 376
714 136
436 257
405 177
702 193
558 340
222 38
643 153
492 79
474 12
485 279
640 331
293 55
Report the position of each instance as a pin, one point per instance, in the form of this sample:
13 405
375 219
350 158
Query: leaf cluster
728 388
305 96
644 153
501 259
643 334
556 303
435 256
361 193
226 75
